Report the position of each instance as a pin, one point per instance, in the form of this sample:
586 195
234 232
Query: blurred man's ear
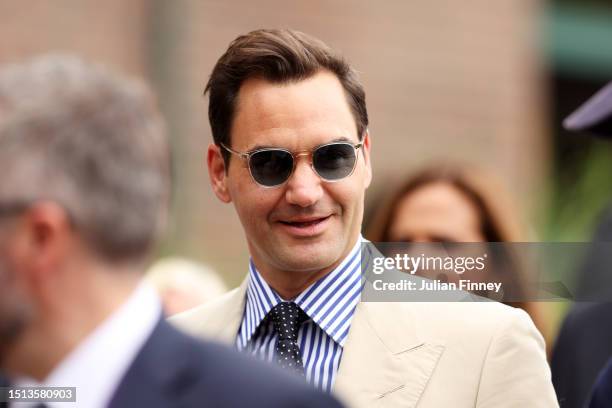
43 238
217 173
366 155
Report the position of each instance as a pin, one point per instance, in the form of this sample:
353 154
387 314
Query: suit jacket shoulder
175 370
218 319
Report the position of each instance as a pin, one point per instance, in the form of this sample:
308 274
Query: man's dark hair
279 56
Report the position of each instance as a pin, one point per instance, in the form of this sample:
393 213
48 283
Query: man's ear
366 156
217 174
44 237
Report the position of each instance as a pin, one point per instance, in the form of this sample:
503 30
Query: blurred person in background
184 284
454 203
291 152
580 374
84 191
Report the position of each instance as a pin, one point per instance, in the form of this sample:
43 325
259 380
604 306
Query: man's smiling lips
305 226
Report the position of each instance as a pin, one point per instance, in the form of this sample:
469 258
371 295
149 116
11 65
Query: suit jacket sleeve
515 372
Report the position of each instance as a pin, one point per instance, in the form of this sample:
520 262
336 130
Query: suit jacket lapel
225 316
384 362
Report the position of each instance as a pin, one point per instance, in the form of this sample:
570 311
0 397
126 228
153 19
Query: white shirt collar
97 365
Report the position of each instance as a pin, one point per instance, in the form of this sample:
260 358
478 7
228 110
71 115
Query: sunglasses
271 167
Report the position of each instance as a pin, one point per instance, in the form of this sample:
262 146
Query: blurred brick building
444 80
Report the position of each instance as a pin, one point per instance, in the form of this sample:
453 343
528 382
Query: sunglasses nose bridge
296 160
296 157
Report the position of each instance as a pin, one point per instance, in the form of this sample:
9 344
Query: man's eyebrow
340 139
260 146
335 140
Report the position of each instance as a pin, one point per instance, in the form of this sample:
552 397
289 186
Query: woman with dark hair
456 204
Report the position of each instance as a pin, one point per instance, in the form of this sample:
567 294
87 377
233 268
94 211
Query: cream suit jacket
474 354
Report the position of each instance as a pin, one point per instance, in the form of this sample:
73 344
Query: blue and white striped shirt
329 303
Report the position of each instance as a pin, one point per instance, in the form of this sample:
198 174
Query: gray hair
91 141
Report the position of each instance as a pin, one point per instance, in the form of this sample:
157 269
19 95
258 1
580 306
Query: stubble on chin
10 332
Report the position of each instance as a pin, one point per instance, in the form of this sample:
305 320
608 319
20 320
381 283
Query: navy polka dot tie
287 318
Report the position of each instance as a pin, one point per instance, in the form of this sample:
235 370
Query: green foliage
578 193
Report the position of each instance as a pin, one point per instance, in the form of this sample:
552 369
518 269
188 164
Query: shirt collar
97 365
329 302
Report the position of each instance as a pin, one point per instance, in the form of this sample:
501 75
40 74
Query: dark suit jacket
584 343
174 370
3 383
602 393
594 280
583 346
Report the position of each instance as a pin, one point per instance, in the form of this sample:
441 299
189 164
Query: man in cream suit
292 153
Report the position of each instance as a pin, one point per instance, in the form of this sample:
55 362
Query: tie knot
287 318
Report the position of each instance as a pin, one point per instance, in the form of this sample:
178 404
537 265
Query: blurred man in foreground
84 190
292 153
585 341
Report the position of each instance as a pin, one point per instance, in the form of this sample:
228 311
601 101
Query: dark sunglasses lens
335 161
271 167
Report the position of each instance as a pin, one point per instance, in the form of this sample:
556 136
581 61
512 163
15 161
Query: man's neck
63 323
289 284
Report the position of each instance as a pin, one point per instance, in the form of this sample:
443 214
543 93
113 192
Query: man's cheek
252 220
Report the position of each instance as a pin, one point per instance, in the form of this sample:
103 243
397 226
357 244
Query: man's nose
304 186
